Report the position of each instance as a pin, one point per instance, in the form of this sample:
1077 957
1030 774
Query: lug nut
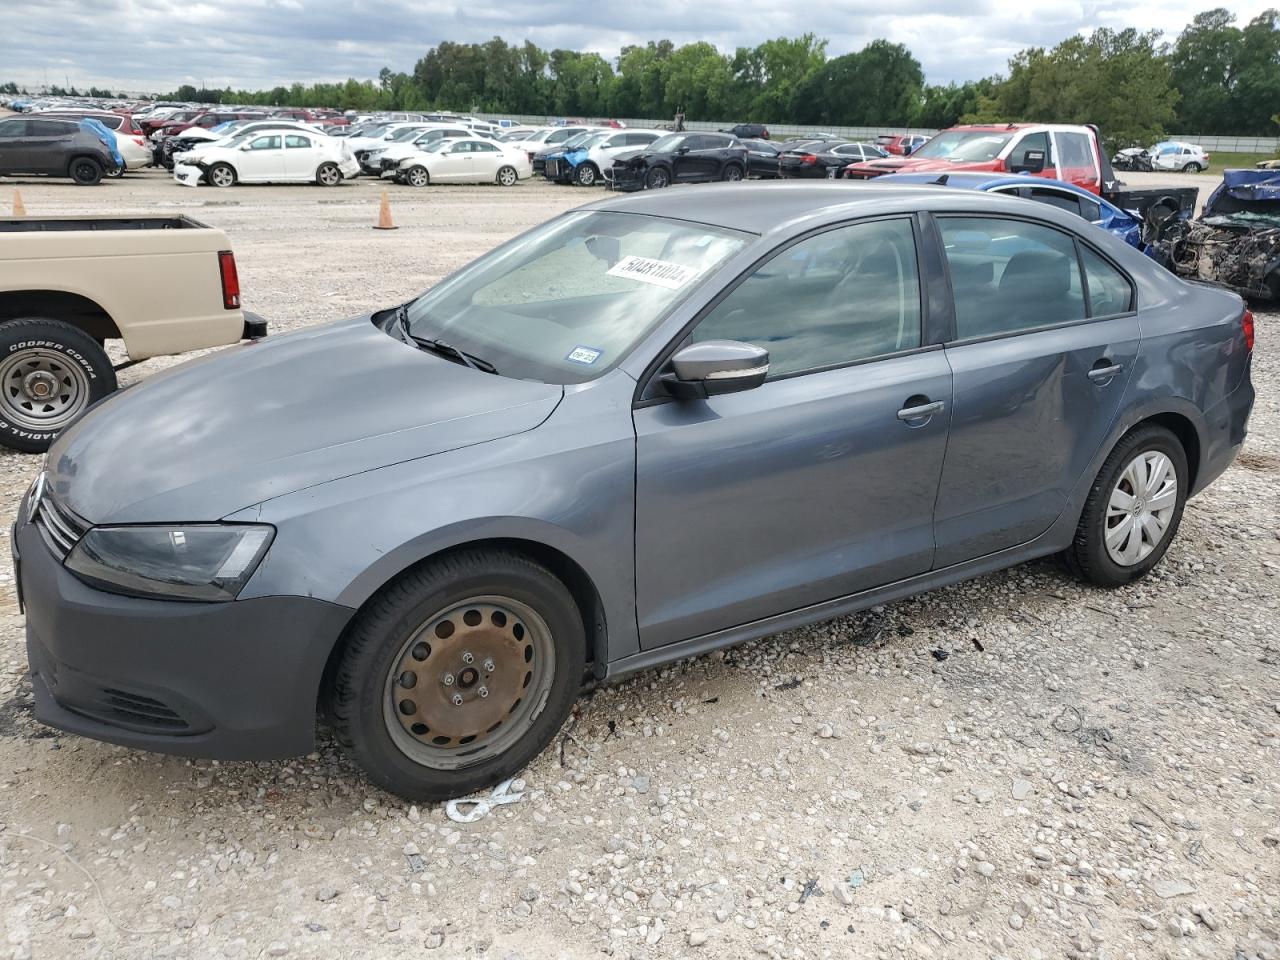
488 665
447 679
467 657
457 699
482 692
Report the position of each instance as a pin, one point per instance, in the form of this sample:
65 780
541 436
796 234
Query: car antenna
942 179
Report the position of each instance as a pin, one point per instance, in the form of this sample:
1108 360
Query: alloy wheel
1140 508
222 176
468 682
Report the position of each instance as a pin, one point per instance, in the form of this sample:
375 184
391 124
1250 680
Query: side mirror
681 151
715 367
1032 162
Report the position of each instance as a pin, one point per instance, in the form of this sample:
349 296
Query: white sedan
281 156
470 160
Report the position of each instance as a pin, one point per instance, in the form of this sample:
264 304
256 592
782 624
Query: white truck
162 285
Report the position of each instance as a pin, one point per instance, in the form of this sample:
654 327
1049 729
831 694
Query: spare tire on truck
50 373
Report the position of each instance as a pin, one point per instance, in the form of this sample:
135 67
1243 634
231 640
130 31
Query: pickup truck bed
162 285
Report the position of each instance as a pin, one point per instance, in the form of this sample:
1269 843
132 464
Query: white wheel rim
1140 508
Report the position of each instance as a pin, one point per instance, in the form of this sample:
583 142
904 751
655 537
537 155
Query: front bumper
188 175
234 681
625 179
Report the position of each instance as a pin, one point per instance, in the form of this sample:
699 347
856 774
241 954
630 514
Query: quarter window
848 294
296 143
1008 276
1109 290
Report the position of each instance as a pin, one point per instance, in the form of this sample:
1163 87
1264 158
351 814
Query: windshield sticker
587 355
661 273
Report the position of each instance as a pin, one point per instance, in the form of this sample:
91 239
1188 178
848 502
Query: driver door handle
1101 373
921 411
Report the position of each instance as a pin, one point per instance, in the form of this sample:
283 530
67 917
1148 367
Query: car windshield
591 141
569 300
576 141
668 144
964 145
404 133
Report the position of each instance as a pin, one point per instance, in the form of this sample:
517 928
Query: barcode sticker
661 273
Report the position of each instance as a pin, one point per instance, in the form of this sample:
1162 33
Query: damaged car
1235 243
679 158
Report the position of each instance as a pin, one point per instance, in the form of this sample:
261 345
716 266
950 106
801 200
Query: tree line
1217 77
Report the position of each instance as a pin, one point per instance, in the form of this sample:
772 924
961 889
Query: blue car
1056 193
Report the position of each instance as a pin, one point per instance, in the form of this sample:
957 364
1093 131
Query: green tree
880 85
768 75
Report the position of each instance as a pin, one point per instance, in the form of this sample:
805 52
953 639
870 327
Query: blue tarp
107 137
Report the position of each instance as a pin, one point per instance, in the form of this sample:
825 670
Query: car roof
775 206
984 182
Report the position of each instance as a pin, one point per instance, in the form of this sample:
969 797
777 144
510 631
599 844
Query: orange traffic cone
384 214
19 208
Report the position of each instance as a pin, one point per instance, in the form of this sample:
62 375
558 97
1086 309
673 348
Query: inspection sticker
661 273
586 355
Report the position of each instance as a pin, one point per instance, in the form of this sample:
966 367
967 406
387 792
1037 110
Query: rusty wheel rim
468 683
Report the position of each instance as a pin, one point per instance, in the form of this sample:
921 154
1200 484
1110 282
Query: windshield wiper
439 346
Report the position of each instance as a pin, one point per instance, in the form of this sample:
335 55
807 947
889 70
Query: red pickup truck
1059 151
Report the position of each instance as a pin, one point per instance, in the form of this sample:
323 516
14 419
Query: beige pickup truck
162 285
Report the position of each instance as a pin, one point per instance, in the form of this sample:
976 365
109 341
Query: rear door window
1008 276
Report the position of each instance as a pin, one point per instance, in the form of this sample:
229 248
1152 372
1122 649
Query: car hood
218 434
920 165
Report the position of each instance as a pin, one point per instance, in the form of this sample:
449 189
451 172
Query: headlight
189 562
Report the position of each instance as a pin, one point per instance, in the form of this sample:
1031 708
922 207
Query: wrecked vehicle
1136 159
1235 243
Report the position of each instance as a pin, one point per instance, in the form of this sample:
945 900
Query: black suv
55 148
679 158
749 131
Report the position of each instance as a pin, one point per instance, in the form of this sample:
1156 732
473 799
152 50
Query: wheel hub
40 385
463 675
40 389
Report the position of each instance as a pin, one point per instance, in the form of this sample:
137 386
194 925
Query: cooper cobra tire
457 674
50 372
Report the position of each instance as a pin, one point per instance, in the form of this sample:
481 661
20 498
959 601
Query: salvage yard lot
1017 766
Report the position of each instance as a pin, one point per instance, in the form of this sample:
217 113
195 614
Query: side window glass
847 294
265 143
1058 198
13 128
1008 276
296 143
1091 210
1076 151
1032 141
1109 290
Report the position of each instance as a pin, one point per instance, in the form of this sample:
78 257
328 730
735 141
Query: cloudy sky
160 44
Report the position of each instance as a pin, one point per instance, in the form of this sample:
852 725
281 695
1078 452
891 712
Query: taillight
1246 325
140 141
808 160
230 280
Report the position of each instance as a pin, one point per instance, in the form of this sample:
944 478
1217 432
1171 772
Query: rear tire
1192 167
50 372
507 177
732 173
1117 510
422 695
85 171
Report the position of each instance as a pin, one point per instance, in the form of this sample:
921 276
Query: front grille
59 526
552 169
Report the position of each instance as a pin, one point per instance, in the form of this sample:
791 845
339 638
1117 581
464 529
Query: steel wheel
1140 508
329 175
222 176
418 177
41 389
468 683
507 176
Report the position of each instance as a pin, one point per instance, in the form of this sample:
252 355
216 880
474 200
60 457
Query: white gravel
1014 767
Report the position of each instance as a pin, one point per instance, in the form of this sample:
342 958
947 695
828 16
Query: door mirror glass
715 367
1032 162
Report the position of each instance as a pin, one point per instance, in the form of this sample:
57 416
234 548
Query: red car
900 144
1059 151
321 118
207 120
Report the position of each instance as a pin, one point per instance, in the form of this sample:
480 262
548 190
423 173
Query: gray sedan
647 429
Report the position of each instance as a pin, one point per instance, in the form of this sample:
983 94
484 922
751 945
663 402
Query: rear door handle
1098 374
922 411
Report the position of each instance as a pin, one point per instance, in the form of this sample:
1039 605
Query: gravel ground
1014 767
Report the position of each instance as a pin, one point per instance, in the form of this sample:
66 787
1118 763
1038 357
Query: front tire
50 372
457 674
1133 509
221 175
329 175
85 171
417 177
586 175
657 178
